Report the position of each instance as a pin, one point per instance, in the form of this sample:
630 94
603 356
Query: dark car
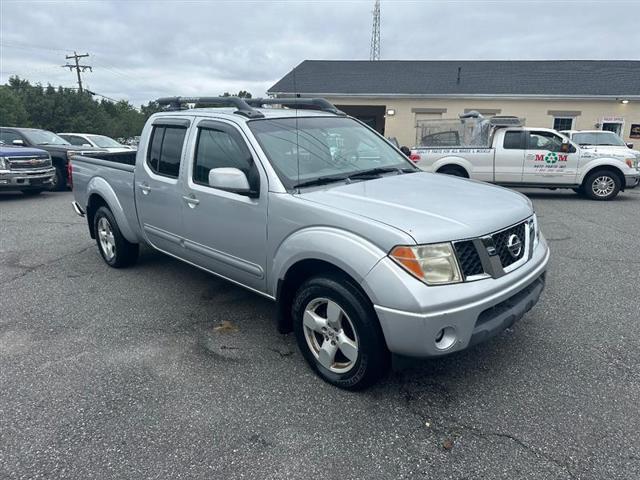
59 149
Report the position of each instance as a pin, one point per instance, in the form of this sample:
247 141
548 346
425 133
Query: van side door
509 156
225 231
158 192
548 161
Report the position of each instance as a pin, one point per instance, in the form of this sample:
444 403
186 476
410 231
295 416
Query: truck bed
112 175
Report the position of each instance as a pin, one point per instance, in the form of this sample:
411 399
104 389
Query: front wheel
59 180
116 250
338 332
602 185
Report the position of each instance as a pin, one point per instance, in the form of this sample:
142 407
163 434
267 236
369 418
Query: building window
562 123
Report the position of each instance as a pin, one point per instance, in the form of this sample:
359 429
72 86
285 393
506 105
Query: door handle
145 188
191 200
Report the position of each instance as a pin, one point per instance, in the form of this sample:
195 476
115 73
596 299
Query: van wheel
338 333
454 171
116 250
602 185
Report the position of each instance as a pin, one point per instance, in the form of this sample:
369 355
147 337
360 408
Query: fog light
445 338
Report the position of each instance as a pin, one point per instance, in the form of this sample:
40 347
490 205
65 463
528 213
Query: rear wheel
338 332
116 250
602 185
454 170
59 180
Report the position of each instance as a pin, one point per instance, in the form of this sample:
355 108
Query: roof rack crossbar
307 103
179 103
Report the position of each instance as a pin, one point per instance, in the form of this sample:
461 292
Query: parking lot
163 371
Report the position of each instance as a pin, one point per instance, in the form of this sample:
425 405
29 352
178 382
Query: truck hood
619 151
429 207
7 151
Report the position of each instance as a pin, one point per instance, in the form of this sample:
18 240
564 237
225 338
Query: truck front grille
28 163
501 241
469 259
475 255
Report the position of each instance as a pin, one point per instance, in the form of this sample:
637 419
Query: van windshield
306 149
598 138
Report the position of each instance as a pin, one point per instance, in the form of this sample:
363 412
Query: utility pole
374 53
77 67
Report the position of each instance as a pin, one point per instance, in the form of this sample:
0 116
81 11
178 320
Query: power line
78 68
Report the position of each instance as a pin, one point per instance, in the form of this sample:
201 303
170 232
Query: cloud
141 50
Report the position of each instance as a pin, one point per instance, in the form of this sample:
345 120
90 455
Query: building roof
565 78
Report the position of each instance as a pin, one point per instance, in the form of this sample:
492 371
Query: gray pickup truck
364 254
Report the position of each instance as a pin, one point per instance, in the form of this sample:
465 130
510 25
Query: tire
59 180
602 185
116 251
578 190
355 330
33 192
453 171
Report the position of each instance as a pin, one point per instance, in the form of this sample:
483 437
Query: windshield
43 137
332 147
104 142
598 138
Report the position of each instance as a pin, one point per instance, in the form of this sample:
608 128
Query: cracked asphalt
163 371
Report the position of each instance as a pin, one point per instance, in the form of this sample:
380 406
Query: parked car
364 255
26 169
602 142
98 141
59 149
506 153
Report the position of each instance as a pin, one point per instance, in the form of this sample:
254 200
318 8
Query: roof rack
304 103
179 103
246 106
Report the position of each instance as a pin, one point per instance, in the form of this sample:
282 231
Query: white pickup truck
500 150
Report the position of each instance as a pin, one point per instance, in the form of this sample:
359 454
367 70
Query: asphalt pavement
162 371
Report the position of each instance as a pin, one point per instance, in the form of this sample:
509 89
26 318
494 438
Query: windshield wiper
321 181
375 172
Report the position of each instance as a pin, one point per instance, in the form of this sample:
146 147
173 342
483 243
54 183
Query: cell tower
374 54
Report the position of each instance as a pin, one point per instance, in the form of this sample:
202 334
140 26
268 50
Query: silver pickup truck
364 254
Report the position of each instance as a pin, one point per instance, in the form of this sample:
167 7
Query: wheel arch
605 167
100 193
455 162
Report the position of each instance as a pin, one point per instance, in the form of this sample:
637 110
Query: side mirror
629 145
231 180
18 143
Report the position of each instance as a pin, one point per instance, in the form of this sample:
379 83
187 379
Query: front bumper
20 180
467 313
632 180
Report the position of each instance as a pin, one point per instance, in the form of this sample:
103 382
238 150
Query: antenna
374 53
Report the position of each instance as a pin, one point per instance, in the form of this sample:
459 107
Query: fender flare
343 249
453 160
99 186
609 162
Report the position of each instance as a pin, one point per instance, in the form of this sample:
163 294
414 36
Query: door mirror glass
407 150
18 143
230 179
629 145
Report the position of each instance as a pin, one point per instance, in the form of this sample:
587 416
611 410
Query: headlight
4 164
434 264
631 162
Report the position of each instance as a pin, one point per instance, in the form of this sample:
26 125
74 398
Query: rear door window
513 141
165 150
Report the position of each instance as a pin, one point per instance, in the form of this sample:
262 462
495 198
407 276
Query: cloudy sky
141 50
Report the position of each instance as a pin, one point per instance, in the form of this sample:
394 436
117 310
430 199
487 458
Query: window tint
165 150
219 148
8 137
513 141
75 140
544 141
